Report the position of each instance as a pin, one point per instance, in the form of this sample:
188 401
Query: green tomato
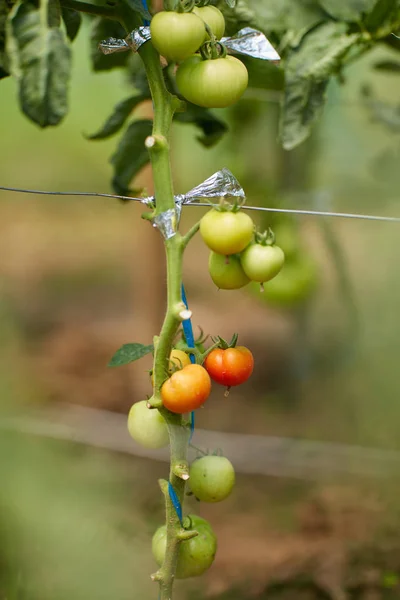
177 35
293 285
147 426
213 17
214 83
226 271
226 232
262 263
195 555
212 478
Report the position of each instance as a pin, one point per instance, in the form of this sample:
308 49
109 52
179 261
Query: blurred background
313 434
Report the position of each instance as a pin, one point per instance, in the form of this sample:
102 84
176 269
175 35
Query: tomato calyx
179 6
223 344
228 206
212 49
266 238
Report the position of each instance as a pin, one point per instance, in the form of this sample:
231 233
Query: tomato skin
212 478
195 555
230 367
262 263
295 283
186 390
214 83
177 35
214 19
227 275
147 426
226 232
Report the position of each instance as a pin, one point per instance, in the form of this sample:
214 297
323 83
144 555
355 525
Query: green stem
158 145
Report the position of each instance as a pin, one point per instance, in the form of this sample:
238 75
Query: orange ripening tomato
230 367
186 390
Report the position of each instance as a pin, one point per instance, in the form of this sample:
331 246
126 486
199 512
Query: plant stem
158 145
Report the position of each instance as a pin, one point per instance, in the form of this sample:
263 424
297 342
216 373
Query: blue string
145 21
189 337
175 501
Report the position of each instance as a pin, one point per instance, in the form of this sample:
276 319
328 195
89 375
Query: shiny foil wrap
222 184
250 42
133 41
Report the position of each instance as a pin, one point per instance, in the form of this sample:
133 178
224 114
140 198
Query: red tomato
186 390
230 367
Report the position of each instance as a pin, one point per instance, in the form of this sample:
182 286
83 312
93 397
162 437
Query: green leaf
72 21
129 353
382 112
380 14
102 29
231 3
348 10
264 75
391 66
212 128
308 70
4 10
115 122
137 6
131 155
41 61
287 16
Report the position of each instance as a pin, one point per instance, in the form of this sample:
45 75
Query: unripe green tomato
195 555
177 35
262 263
293 285
226 271
226 232
213 83
214 19
147 426
212 478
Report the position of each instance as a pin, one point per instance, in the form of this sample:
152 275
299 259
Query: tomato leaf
131 155
380 14
308 70
40 59
102 29
129 353
212 128
117 119
3 55
137 6
72 21
348 10
231 3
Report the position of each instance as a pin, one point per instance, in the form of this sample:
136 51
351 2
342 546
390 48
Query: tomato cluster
237 256
210 78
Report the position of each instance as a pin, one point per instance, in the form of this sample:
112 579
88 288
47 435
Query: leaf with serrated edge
116 120
131 155
308 70
41 61
129 353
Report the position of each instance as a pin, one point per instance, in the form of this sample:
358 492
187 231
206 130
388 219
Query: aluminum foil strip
133 41
250 42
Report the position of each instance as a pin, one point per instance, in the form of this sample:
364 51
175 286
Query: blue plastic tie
145 21
189 337
175 501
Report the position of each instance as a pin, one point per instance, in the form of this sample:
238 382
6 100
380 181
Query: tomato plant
177 35
147 426
196 555
226 232
186 390
212 478
227 272
213 17
230 366
212 83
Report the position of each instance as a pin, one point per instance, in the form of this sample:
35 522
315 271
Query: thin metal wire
294 211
